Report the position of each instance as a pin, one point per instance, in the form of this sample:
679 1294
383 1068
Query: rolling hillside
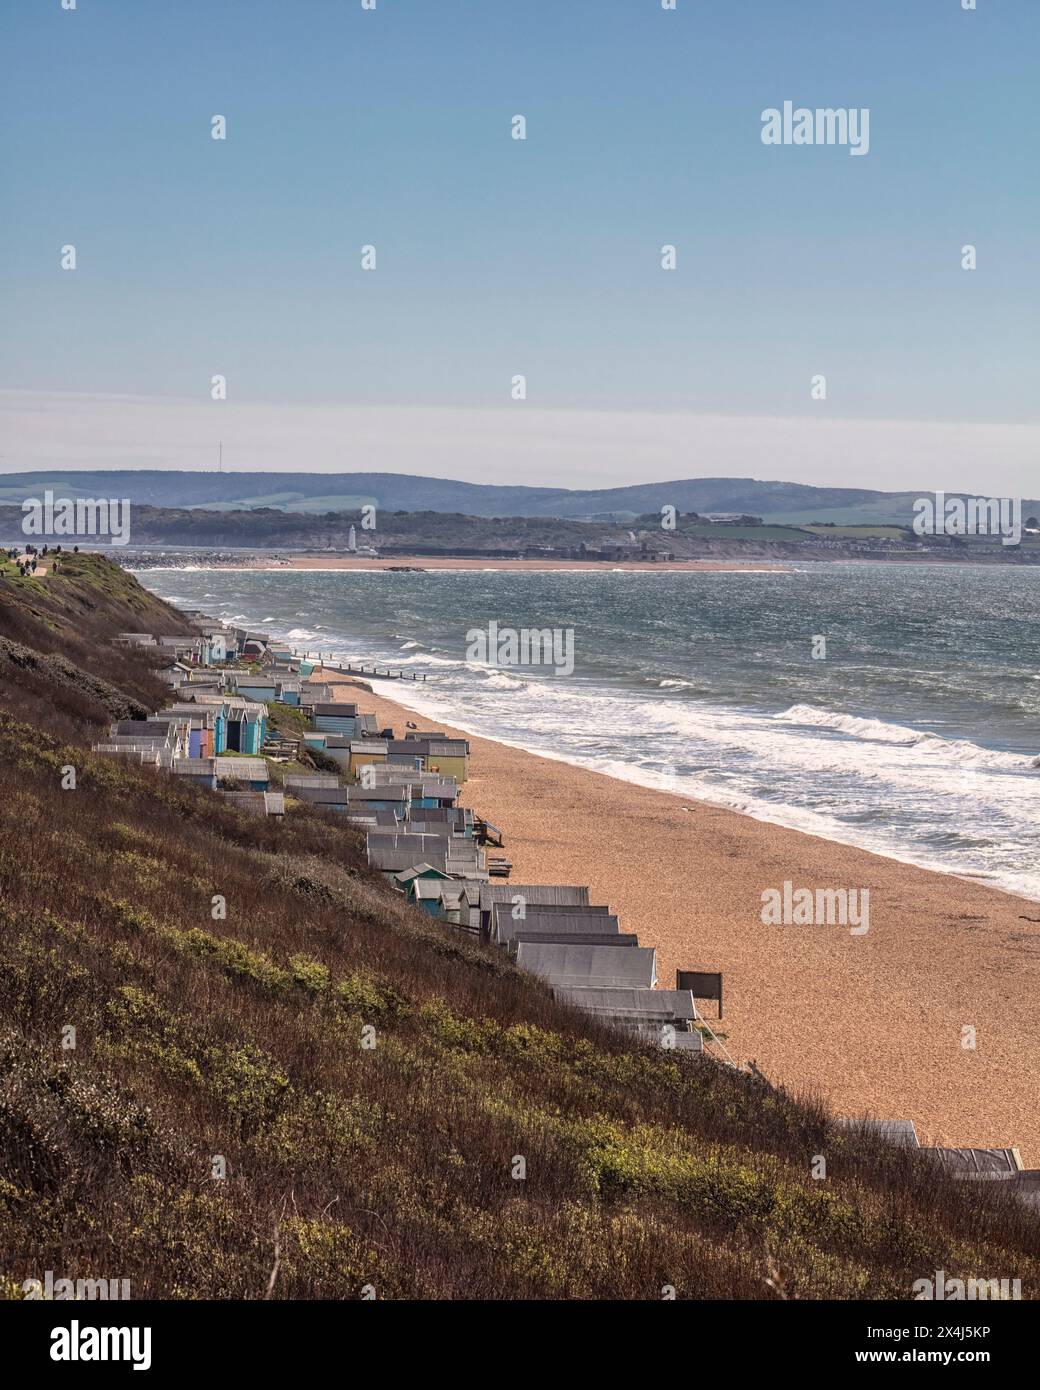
783 503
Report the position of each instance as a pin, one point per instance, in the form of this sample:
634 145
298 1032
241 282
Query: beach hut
201 771
985 1164
427 791
334 746
147 751
460 853
448 757
171 732
335 717
254 688
459 818
895 1131
315 692
203 722
526 895
246 722
576 938
322 798
429 895
421 871
214 649
215 717
175 674
431 795
424 886
590 966
379 799
505 922
360 815
287 692
257 803
252 772
633 1008
392 861
369 752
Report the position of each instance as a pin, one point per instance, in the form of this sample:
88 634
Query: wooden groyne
373 673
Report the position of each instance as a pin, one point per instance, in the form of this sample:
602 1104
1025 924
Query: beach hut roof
532 893
395 860
234 704
504 925
586 938
431 888
405 839
632 1005
442 791
247 800
320 796
407 875
196 715
242 769
977 1163
895 1131
606 967
157 726
437 831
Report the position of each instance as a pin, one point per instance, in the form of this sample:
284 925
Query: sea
911 729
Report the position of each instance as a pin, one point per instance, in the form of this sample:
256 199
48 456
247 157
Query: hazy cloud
58 430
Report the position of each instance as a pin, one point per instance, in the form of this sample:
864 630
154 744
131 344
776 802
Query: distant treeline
270 527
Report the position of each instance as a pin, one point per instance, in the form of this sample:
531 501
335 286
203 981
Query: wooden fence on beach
373 673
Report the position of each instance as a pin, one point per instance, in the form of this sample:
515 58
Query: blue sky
540 257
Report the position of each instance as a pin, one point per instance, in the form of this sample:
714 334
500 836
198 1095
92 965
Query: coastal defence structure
374 673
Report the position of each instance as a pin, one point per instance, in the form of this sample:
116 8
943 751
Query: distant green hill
777 502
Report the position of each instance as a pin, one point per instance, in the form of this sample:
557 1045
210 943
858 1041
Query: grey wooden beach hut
529 894
634 1006
593 967
596 920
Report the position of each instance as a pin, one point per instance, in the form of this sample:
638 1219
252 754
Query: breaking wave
921 741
